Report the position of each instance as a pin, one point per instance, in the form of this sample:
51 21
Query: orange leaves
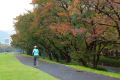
100 30
89 40
42 11
33 1
98 34
115 3
36 1
75 3
83 29
69 8
62 43
78 31
74 32
62 13
48 4
13 36
64 28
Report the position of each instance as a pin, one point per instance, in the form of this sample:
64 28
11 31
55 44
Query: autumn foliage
69 29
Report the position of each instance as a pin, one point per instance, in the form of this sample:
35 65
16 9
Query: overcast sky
9 9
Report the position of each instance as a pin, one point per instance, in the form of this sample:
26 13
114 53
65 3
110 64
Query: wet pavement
61 71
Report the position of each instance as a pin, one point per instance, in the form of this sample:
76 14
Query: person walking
36 54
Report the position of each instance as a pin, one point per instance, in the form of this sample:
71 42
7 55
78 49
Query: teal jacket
35 52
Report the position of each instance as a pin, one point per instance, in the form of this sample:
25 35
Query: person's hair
35 47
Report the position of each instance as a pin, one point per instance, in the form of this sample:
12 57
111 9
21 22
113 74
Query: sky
9 9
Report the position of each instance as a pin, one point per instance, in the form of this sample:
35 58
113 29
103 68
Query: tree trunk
56 57
96 59
62 56
94 62
68 58
83 62
29 52
118 30
50 56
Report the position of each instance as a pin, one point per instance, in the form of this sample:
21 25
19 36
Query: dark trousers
35 60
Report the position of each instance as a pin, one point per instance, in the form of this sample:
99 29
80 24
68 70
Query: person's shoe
34 65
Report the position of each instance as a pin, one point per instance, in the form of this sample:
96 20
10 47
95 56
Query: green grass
3 44
78 67
12 69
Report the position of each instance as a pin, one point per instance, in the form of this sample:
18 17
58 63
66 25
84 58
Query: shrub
110 61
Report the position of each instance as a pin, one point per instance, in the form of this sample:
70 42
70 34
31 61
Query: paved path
61 71
112 69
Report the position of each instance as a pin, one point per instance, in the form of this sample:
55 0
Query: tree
68 29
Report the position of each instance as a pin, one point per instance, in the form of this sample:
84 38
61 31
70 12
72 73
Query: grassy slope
12 69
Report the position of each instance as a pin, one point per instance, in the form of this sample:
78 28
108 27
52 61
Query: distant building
7 41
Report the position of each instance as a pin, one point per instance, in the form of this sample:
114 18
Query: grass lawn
110 74
12 69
